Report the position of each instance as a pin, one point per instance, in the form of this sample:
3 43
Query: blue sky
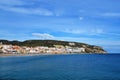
95 22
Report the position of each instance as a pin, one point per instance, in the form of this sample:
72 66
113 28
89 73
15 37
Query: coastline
17 55
10 55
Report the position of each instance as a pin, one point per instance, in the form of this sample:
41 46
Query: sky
96 22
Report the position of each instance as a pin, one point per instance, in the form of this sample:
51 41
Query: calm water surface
61 67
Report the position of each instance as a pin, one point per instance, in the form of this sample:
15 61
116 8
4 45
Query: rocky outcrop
95 49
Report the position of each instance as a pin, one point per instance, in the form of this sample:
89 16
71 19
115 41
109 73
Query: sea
61 67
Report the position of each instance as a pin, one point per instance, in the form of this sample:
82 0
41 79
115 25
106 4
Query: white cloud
117 34
73 31
90 32
43 36
18 7
11 2
111 14
59 12
36 11
83 31
96 31
81 18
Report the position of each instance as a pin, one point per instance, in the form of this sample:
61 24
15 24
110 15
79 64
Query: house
59 46
78 50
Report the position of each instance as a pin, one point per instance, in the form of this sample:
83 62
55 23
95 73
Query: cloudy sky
96 22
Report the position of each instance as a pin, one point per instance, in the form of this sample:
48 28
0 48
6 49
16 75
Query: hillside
51 43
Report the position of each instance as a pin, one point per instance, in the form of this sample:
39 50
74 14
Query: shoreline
16 55
10 55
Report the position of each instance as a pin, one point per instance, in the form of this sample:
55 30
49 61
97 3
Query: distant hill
51 43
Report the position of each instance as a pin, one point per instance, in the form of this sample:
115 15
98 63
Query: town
57 49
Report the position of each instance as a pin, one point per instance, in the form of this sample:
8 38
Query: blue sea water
61 67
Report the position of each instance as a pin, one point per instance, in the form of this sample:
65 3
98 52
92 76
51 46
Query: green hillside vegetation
49 43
